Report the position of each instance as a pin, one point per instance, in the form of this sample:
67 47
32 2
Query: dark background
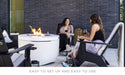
48 13
4 14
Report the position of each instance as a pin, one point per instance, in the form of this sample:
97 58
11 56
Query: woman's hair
97 20
63 22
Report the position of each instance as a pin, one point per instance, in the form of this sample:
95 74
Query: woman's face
67 22
90 21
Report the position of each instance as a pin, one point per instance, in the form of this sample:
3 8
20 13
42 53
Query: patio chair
13 38
13 58
98 58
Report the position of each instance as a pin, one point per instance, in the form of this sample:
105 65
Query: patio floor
110 55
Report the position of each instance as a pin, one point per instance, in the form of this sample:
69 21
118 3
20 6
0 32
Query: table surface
31 37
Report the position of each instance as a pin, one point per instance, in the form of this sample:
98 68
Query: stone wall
4 14
48 13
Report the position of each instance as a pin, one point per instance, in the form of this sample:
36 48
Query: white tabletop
30 37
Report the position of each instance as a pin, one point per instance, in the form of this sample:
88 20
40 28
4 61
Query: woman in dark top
97 35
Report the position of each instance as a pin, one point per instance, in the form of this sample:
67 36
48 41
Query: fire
37 32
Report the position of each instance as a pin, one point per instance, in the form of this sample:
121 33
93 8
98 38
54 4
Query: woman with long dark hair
97 35
97 31
64 33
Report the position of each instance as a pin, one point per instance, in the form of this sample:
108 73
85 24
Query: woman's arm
71 27
94 28
62 31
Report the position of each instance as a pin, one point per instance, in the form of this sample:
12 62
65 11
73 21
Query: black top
66 30
98 36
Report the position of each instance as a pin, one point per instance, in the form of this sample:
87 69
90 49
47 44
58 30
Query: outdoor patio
19 16
62 37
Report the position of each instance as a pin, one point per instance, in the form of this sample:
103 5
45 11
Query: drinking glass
85 32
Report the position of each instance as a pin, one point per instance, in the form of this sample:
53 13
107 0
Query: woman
64 33
97 35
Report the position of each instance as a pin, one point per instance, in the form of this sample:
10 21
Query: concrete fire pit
47 47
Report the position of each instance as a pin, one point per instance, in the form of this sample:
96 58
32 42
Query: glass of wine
85 32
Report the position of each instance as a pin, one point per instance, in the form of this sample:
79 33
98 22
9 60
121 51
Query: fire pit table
47 47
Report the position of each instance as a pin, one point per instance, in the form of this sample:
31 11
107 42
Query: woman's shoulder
96 26
62 26
71 26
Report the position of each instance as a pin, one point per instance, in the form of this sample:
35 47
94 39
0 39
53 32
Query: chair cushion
6 37
17 59
93 48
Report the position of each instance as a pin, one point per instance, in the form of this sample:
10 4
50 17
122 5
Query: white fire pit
47 47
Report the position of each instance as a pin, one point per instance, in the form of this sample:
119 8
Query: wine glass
85 32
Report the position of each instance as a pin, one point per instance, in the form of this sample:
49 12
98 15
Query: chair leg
77 63
80 63
27 58
101 62
80 60
105 60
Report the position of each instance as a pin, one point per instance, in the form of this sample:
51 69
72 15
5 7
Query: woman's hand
68 35
81 37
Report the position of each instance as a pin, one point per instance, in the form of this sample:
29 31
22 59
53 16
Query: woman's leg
67 41
75 50
89 47
62 44
93 48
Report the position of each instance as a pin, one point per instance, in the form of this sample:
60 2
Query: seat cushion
17 59
6 37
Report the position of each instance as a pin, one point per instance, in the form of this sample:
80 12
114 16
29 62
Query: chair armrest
94 42
25 47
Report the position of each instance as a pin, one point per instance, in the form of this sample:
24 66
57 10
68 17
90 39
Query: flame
37 32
